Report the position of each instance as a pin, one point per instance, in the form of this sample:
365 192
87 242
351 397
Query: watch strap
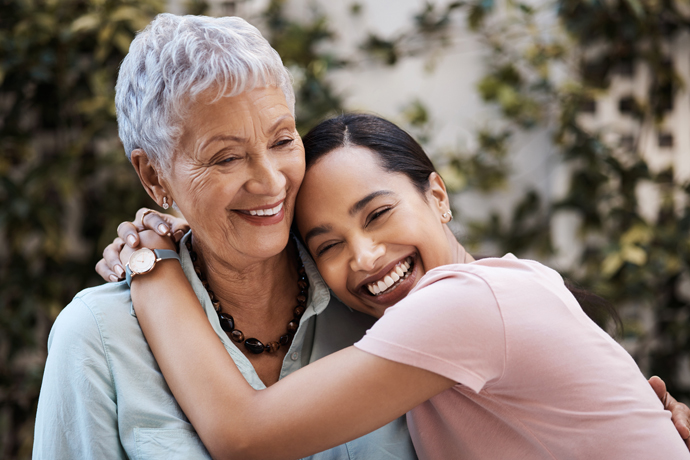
161 254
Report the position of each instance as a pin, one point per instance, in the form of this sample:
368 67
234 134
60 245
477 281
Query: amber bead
292 326
301 299
299 311
302 285
272 347
237 336
216 305
254 346
284 339
211 295
226 322
197 270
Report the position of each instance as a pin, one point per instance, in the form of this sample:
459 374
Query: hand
110 267
680 413
148 239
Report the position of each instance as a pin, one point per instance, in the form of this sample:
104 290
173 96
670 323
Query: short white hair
176 58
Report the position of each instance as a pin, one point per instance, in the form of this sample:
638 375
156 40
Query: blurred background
561 126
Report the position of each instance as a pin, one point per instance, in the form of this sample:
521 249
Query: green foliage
64 182
298 45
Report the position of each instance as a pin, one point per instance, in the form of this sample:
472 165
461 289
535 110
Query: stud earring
165 202
448 215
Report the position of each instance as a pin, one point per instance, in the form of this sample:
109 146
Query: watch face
142 260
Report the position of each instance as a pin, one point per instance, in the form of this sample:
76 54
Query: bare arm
334 400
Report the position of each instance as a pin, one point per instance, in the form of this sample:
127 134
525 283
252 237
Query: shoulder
91 312
491 275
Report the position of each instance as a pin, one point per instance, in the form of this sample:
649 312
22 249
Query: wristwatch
143 260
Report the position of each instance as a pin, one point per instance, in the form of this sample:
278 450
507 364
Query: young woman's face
372 233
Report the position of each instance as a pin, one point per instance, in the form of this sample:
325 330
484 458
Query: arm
77 410
334 400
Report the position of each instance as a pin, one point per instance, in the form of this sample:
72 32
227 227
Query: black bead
226 322
284 339
254 346
192 255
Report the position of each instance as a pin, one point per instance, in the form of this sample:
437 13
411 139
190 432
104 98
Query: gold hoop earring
165 202
448 215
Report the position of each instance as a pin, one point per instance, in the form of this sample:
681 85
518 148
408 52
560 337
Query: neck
258 294
458 253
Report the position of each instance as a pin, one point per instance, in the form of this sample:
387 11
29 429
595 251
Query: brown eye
376 214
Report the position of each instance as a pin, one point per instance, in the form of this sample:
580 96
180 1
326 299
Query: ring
146 213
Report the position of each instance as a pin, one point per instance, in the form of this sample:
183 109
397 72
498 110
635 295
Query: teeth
399 272
267 212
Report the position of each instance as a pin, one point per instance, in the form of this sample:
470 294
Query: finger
180 227
105 273
659 387
156 222
128 232
111 255
683 430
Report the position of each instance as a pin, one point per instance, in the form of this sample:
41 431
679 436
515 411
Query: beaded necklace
228 323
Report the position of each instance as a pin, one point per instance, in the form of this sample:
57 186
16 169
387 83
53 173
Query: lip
400 291
262 220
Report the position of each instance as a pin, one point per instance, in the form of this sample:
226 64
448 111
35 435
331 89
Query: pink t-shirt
537 378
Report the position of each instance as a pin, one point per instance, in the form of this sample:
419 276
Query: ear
437 194
149 176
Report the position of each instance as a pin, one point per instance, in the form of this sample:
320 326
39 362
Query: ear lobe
148 175
437 193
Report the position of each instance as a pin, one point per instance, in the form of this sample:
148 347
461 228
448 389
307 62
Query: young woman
490 359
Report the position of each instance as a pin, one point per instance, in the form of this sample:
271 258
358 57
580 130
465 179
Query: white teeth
399 272
267 212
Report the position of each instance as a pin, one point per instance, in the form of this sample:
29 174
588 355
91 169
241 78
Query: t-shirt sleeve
450 324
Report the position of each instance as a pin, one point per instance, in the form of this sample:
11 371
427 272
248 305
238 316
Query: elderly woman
205 113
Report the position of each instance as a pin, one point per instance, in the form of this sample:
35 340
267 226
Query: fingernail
113 278
131 240
119 271
162 229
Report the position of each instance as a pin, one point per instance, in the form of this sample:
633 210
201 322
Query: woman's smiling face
372 233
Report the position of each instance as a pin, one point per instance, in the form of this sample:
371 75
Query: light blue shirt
104 397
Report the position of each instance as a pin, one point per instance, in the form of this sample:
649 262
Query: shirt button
294 356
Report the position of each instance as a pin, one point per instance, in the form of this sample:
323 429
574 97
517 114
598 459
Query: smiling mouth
264 212
392 279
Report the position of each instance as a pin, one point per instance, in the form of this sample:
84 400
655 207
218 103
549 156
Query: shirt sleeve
77 410
449 324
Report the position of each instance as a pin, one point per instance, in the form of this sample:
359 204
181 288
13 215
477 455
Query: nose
266 177
365 253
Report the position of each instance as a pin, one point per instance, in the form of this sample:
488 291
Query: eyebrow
316 231
238 139
364 201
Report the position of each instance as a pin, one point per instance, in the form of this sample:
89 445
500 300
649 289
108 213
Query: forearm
332 401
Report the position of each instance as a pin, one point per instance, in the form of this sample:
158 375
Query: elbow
246 443
237 450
